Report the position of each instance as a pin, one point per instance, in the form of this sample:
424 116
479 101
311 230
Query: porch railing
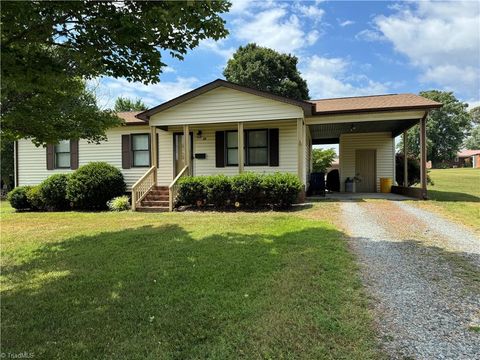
173 188
141 188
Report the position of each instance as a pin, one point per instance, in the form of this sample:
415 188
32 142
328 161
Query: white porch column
300 150
423 155
186 149
405 159
153 146
240 144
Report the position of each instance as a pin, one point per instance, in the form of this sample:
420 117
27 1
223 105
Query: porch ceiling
330 133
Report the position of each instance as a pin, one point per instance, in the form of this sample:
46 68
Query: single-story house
219 118
467 158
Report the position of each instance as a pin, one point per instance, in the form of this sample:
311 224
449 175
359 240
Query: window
257 147
62 155
141 150
232 148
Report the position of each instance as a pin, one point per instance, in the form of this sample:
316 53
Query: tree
473 141
265 69
126 104
475 114
446 128
48 49
322 159
7 161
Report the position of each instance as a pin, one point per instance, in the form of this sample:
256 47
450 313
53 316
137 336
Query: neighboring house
219 118
467 158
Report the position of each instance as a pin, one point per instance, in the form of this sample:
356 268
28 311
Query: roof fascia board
361 117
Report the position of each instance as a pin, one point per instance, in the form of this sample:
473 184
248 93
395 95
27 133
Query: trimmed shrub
92 185
281 189
247 189
18 198
192 190
120 203
35 199
53 190
219 190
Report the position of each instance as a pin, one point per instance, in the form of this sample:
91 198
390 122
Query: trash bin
349 185
385 185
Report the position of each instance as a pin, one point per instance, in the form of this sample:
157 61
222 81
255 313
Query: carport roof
373 103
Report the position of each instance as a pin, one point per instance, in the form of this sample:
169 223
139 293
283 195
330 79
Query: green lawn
456 193
180 285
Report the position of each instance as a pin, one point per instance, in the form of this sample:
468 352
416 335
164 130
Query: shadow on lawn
157 292
450 196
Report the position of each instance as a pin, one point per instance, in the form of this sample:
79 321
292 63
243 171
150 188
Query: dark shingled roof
130 118
373 103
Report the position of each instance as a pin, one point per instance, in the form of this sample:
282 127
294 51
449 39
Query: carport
365 129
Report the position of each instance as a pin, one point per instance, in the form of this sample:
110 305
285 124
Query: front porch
214 148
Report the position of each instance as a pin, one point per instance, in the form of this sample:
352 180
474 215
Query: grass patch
456 194
180 285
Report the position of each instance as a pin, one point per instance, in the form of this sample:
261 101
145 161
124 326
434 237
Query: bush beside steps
90 187
246 190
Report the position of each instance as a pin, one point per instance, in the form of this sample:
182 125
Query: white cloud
442 39
345 23
108 89
217 47
369 35
169 69
329 77
313 12
240 6
275 29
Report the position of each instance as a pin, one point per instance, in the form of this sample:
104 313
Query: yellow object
385 185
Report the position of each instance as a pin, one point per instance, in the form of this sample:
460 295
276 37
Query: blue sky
345 48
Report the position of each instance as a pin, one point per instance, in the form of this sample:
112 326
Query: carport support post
240 147
423 155
405 159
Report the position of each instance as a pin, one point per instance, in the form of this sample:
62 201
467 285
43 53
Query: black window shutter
273 150
74 154
220 149
126 152
50 156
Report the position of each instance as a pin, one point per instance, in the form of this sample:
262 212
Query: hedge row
246 190
89 187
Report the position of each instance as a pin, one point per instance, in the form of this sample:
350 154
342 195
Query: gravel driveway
423 273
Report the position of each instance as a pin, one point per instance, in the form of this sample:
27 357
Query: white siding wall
32 160
206 144
381 142
226 105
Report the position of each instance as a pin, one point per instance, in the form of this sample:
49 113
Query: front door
179 152
365 170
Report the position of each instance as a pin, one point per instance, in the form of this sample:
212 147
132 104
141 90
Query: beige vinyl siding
32 160
225 105
381 142
165 157
206 145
